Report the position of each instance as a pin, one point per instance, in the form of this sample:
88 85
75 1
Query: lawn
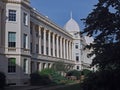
70 87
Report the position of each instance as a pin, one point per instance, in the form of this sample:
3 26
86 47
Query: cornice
25 3
45 20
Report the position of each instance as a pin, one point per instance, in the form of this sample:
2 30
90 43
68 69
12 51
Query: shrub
37 79
74 73
55 77
85 72
2 80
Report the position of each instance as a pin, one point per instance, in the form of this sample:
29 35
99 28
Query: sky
59 10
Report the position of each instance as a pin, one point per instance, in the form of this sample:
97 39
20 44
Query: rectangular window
77 58
12 15
31 28
78 67
76 46
37 49
11 65
11 39
31 47
42 49
25 19
51 51
25 41
25 66
42 37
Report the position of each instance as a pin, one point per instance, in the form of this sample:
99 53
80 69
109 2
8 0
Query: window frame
77 58
76 46
25 19
12 39
25 66
37 48
25 41
12 15
78 67
11 66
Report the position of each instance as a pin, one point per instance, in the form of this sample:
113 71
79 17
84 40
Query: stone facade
30 42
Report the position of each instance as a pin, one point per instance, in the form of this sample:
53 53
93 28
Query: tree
103 23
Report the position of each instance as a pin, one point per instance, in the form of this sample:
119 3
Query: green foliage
2 80
74 73
102 80
48 76
103 23
86 72
37 79
55 76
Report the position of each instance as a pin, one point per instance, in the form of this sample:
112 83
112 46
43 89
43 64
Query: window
25 66
49 65
77 67
42 49
42 37
31 28
25 19
44 66
11 39
51 51
31 47
38 66
12 15
25 39
11 65
76 46
37 49
77 58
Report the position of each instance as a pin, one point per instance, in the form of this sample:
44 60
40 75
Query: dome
72 26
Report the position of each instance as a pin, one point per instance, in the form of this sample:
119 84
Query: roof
72 26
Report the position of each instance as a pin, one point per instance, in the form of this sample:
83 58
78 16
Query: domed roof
72 26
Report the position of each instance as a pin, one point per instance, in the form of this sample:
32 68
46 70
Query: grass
70 87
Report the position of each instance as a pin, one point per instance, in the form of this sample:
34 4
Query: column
39 40
70 50
61 47
46 65
57 45
40 66
64 48
53 40
33 39
44 42
49 43
0 26
67 49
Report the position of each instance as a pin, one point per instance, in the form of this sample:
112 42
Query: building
30 42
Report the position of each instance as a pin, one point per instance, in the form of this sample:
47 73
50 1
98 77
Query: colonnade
53 44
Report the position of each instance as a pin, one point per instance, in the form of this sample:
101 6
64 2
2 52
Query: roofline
44 19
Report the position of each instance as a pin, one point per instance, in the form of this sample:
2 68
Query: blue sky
59 10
